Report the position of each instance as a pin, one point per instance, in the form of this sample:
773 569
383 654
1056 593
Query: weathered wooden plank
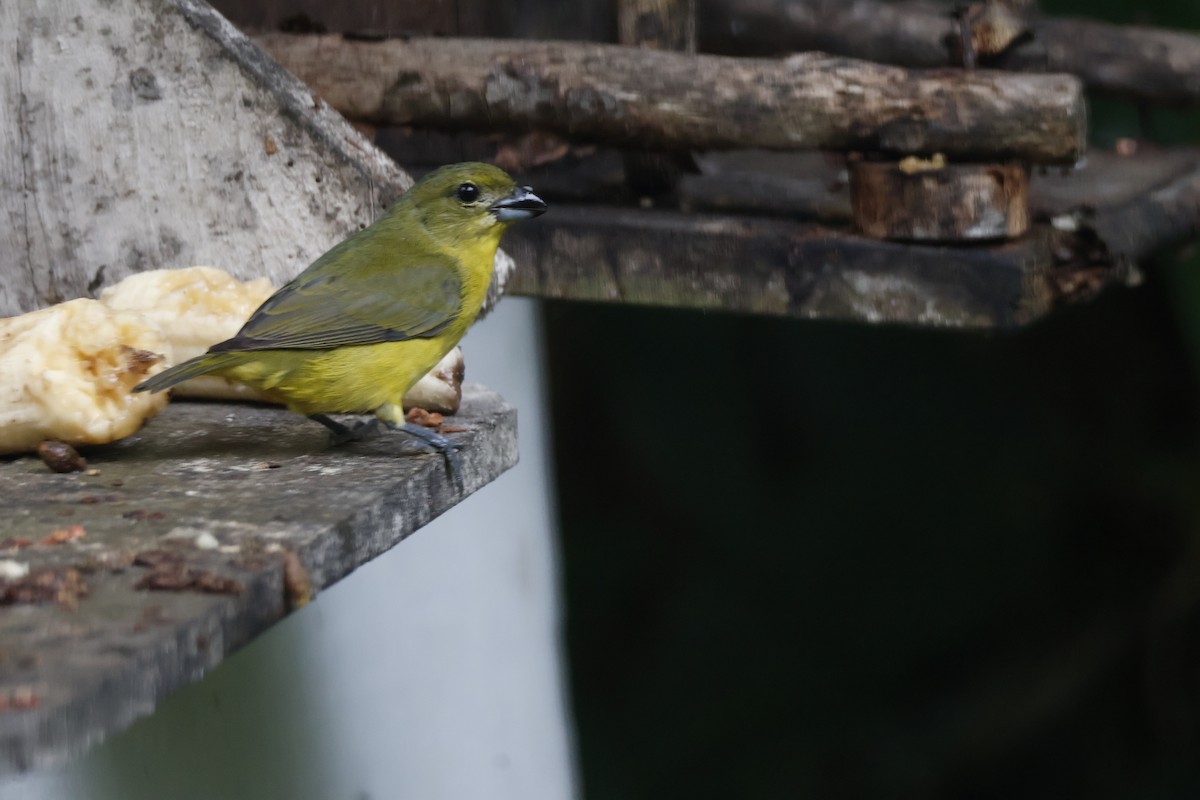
1106 179
659 99
766 193
1138 61
768 266
1153 222
150 133
232 490
912 34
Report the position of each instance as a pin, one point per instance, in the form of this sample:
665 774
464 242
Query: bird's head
472 200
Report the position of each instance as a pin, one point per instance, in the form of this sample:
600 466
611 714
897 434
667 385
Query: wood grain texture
659 99
776 267
265 484
139 134
1156 221
1132 60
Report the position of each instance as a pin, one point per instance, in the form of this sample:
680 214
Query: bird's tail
192 368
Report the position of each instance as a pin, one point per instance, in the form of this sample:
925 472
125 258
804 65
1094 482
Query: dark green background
819 560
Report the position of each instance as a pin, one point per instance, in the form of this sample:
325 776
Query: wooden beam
1132 60
778 267
668 100
1153 222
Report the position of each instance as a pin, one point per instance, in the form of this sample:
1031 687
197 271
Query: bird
357 328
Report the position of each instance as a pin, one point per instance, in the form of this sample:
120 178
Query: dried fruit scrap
427 419
65 535
169 572
62 585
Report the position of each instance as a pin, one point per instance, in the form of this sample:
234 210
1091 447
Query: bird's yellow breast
346 380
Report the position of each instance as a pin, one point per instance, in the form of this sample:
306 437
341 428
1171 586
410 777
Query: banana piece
195 308
441 389
66 372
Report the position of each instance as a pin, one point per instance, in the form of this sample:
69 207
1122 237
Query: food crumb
52 585
427 419
22 698
168 572
65 535
61 457
206 541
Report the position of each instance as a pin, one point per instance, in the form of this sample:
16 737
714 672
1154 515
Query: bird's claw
340 434
445 447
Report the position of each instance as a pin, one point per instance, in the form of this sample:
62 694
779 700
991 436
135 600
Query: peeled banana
66 372
441 389
195 308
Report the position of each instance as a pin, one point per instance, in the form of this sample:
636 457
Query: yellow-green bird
353 332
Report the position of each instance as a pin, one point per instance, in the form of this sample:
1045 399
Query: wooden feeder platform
188 540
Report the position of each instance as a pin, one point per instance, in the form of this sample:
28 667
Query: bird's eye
468 192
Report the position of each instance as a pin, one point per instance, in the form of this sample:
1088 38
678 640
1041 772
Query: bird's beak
521 203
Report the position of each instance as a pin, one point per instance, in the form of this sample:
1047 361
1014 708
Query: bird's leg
438 443
340 434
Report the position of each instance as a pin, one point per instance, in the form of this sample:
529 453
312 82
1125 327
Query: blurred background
833 560
813 559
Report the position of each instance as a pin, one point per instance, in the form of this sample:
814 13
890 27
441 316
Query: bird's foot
341 434
435 441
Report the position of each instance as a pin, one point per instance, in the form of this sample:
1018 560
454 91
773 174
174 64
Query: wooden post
929 200
926 199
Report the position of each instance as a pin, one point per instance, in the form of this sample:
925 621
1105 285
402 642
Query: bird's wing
324 311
